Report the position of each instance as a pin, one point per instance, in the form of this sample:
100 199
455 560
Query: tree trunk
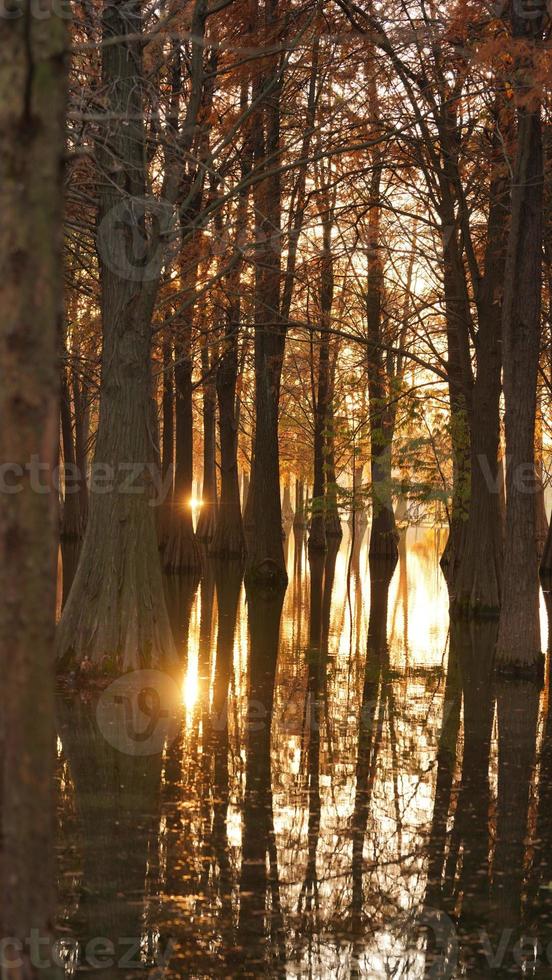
71 525
181 549
299 520
167 462
478 584
265 553
81 402
32 146
333 520
519 629
228 540
208 514
459 430
383 535
458 326
287 509
541 518
317 536
321 398
116 614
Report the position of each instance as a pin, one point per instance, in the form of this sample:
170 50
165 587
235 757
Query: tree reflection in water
351 790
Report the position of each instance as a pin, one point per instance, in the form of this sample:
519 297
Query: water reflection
349 791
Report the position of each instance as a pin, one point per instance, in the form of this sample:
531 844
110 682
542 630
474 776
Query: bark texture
209 505
71 524
181 550
265 554
478 584
519 628
115 614
167 458
321 397
32 141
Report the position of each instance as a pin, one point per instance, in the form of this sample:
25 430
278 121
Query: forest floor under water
334 785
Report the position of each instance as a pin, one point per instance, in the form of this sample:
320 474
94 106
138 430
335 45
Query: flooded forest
275 489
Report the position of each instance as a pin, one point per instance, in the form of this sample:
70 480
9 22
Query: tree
116 610
519 629
33 79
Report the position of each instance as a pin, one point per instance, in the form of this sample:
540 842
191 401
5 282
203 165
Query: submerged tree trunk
116 614
517 717
259 865
519 629
32 145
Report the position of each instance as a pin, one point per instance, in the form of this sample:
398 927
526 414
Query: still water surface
343 789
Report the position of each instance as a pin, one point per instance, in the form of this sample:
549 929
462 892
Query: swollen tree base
384 538
207 522
476 587
182 554
228 540
267 576
333 527
115 618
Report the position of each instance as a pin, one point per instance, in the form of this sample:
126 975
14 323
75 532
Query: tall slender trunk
457 317
116 614
208 514
287 509
333 520
167 459
228 540
541 518
478 583
32 145
81 402
458 322
383 536
519 629
265 554
71 525
317 536
181 550
299 520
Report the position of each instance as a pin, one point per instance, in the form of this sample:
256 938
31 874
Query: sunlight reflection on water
290 828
